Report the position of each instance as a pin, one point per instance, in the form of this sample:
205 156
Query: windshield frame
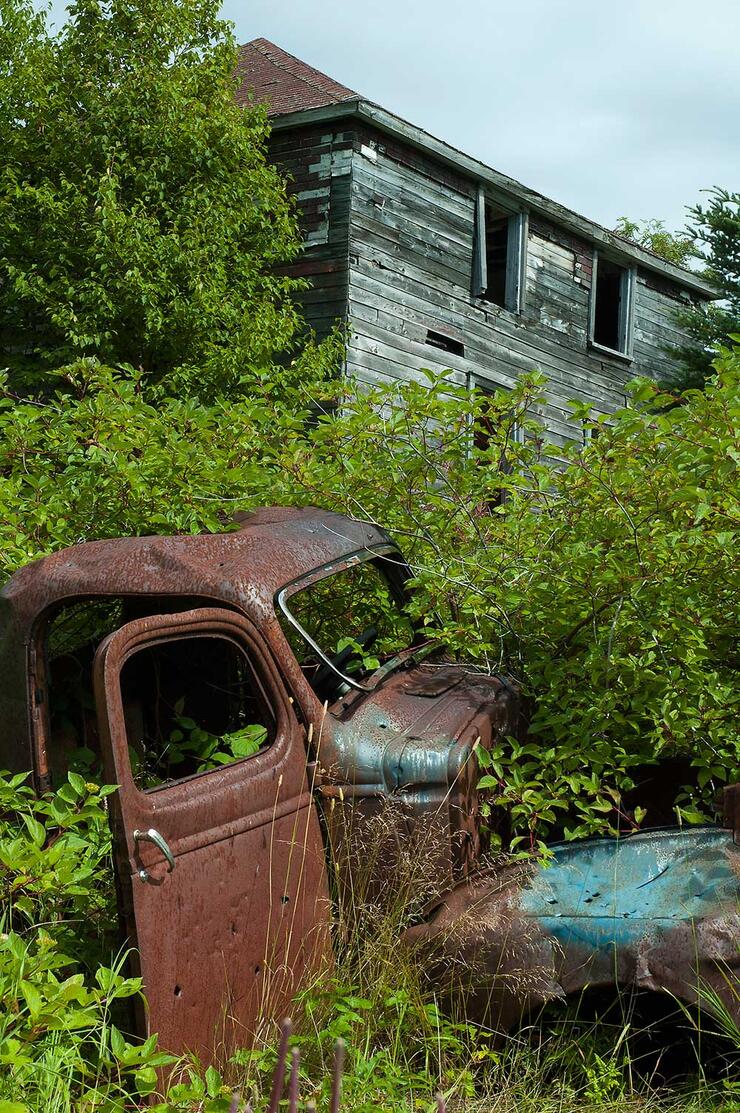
396 573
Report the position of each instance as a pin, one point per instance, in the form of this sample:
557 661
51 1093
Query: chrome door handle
154 836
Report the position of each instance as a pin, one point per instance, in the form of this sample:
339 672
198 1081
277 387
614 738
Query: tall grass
403 1049
61 1051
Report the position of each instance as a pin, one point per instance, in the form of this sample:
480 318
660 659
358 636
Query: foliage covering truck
276 723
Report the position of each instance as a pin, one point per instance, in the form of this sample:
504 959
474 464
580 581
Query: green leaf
77 782
36 830
145 1080
118 1044
213 1082
33 998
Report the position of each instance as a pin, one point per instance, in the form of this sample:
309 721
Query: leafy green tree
141 223
679 248
716 226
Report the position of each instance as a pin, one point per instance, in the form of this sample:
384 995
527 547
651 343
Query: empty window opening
494 424
611 305
71 639
192 704
495 431
498 258
68 640
590 432
445 343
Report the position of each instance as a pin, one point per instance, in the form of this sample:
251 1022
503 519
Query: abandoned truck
250 693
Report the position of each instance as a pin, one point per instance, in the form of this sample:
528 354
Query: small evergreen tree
717 228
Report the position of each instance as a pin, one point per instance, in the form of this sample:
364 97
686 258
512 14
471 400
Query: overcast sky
626 108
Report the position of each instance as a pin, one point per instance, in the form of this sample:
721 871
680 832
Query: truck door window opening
191 704
67 640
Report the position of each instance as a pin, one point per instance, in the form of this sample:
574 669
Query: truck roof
243 568
271 547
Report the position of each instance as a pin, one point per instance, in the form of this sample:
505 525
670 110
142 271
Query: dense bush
606 588
60 974
98 459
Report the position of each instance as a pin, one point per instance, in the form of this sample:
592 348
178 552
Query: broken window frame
259 694
392 566
483 387
41 656
625 324
444 342
477 385
516 254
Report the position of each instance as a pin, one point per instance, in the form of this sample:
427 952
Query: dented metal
229 923
658 910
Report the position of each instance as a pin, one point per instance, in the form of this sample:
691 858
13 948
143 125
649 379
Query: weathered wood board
389 249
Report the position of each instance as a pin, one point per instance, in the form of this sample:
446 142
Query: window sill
626 357
493 308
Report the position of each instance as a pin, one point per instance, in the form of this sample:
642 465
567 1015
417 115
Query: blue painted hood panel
659 911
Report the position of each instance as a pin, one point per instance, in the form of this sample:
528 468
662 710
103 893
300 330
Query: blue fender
656 910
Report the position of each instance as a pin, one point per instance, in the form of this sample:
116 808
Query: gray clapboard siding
484 347
399 177
406 252
389 249
317 163
414 211
400 284
390 314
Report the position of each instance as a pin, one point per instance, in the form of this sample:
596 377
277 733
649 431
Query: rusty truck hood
407 750
418 727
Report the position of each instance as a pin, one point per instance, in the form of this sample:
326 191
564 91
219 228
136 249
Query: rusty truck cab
265 704
162 659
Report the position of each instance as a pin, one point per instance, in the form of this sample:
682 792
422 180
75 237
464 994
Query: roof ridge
307 75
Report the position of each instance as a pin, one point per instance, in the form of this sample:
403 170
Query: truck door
218 847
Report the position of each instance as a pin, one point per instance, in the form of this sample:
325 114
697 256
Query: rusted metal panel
226 931
411 743
658 910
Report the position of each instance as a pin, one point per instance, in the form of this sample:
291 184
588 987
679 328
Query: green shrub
607 588
60 977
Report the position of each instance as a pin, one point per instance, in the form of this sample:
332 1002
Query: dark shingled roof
267 73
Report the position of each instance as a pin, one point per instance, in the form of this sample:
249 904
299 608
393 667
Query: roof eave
315 115
509 189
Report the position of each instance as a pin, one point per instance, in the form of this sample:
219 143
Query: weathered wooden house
439 261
